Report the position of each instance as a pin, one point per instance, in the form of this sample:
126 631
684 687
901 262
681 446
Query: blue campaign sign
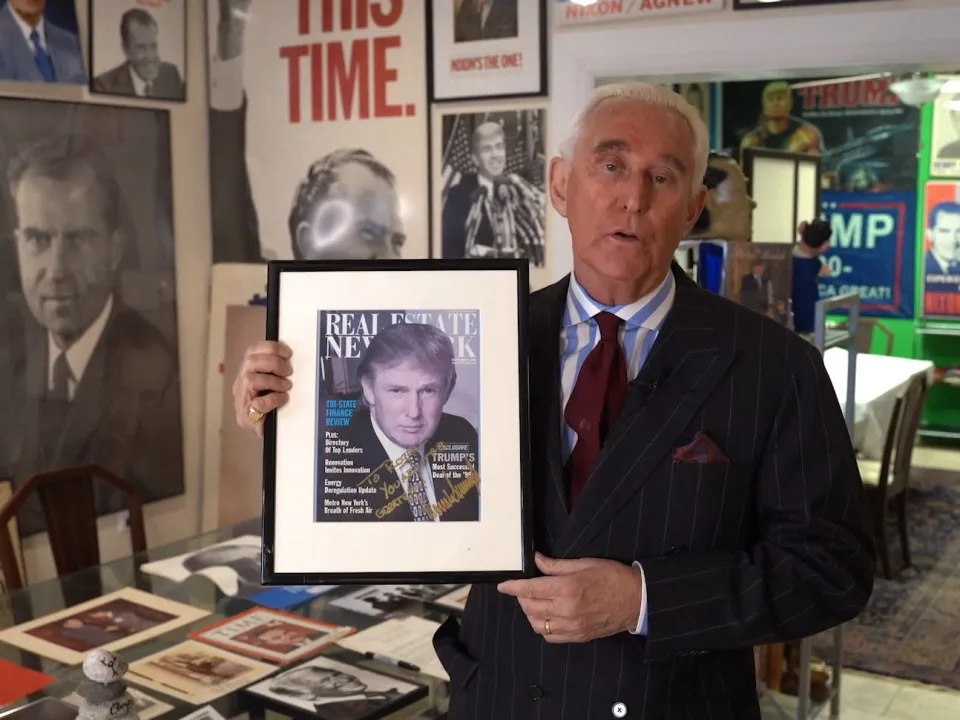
872 251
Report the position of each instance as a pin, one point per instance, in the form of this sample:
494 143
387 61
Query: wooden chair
67 499
866 329
888 479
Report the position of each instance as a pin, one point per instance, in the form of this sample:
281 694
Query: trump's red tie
596 402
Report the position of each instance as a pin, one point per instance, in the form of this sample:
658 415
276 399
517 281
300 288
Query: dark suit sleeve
453 221
811 566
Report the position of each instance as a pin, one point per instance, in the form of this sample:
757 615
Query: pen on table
391 661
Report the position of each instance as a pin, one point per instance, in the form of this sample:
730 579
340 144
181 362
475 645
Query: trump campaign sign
872 250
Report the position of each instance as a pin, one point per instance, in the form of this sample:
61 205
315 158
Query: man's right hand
265 367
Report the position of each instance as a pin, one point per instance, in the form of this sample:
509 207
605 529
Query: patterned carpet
911 627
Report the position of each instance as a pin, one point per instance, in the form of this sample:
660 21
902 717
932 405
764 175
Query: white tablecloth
880 379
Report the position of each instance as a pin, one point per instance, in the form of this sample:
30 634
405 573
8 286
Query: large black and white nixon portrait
90 368
137 48
490 173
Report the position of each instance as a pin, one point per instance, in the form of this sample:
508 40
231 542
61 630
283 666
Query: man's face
281 636
358 220
67 254
142 51
945 236
627 193
758 269
490 153
777 103
29 8
407 401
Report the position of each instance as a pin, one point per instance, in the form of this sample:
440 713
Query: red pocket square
701 450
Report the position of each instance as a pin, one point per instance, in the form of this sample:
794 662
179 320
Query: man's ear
367 390
695 207
559 175
118 244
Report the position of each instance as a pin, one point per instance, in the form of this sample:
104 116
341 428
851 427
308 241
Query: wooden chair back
866 328
67 499
890 447
913 400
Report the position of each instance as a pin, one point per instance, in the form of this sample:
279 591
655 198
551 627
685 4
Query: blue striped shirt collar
648 311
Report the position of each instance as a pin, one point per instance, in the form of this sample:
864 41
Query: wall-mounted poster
752 4
490 168
39 42
568 13
318 130
941 260
137 48
945 150
867 139
487 48
872 250
90 317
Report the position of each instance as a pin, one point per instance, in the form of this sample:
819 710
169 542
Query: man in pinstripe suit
719 506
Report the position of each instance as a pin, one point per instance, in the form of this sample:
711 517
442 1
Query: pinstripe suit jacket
771 545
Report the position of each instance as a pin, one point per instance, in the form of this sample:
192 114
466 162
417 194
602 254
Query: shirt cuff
642 620
226 83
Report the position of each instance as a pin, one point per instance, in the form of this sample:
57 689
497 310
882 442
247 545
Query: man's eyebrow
607 145
674 162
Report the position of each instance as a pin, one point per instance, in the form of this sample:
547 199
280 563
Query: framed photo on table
486 48
406 428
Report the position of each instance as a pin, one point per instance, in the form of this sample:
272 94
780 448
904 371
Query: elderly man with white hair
695 489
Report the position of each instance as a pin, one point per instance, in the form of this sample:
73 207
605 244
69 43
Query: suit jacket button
677 549
535 692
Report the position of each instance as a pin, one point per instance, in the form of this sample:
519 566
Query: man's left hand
581 599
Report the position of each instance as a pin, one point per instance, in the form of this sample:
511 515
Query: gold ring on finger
546 627
254 415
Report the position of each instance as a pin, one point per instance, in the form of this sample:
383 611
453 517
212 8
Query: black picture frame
771 4
748 158
436 59
113 81
501 322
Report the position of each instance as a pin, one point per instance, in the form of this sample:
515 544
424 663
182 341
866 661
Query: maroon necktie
596 402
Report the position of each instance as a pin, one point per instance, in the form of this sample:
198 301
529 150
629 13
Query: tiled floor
865 696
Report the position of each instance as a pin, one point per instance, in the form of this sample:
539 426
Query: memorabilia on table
233 565
487 49
454 601
286 598
407 427
145 707
405 642
335 690
378 600
103 693
17 682
271 635
112 622
204 713
196 673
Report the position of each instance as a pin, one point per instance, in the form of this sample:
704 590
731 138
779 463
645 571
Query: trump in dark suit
94 381
33 49
143 73
695 489
423 461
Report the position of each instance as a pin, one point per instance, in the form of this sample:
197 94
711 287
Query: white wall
890 35
172 519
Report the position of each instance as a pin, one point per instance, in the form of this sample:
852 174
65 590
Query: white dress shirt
395 452
27 30
78 354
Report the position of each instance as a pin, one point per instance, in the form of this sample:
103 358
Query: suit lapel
549 482
685 363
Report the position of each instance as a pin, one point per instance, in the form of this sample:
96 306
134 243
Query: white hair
652 95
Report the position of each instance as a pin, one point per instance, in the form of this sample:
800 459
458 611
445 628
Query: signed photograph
115 621
233 566
145 706
380 600
408 400
490 170
195 672
138 48
272 635
334 690
487 48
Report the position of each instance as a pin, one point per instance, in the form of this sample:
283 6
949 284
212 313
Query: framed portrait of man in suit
138 49
486 49
89 364
407 424
39 42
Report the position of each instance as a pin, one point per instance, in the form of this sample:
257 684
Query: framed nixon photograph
489 169
406 426
138 49
487 48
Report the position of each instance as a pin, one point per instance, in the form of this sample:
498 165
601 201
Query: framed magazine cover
406 426
486 49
